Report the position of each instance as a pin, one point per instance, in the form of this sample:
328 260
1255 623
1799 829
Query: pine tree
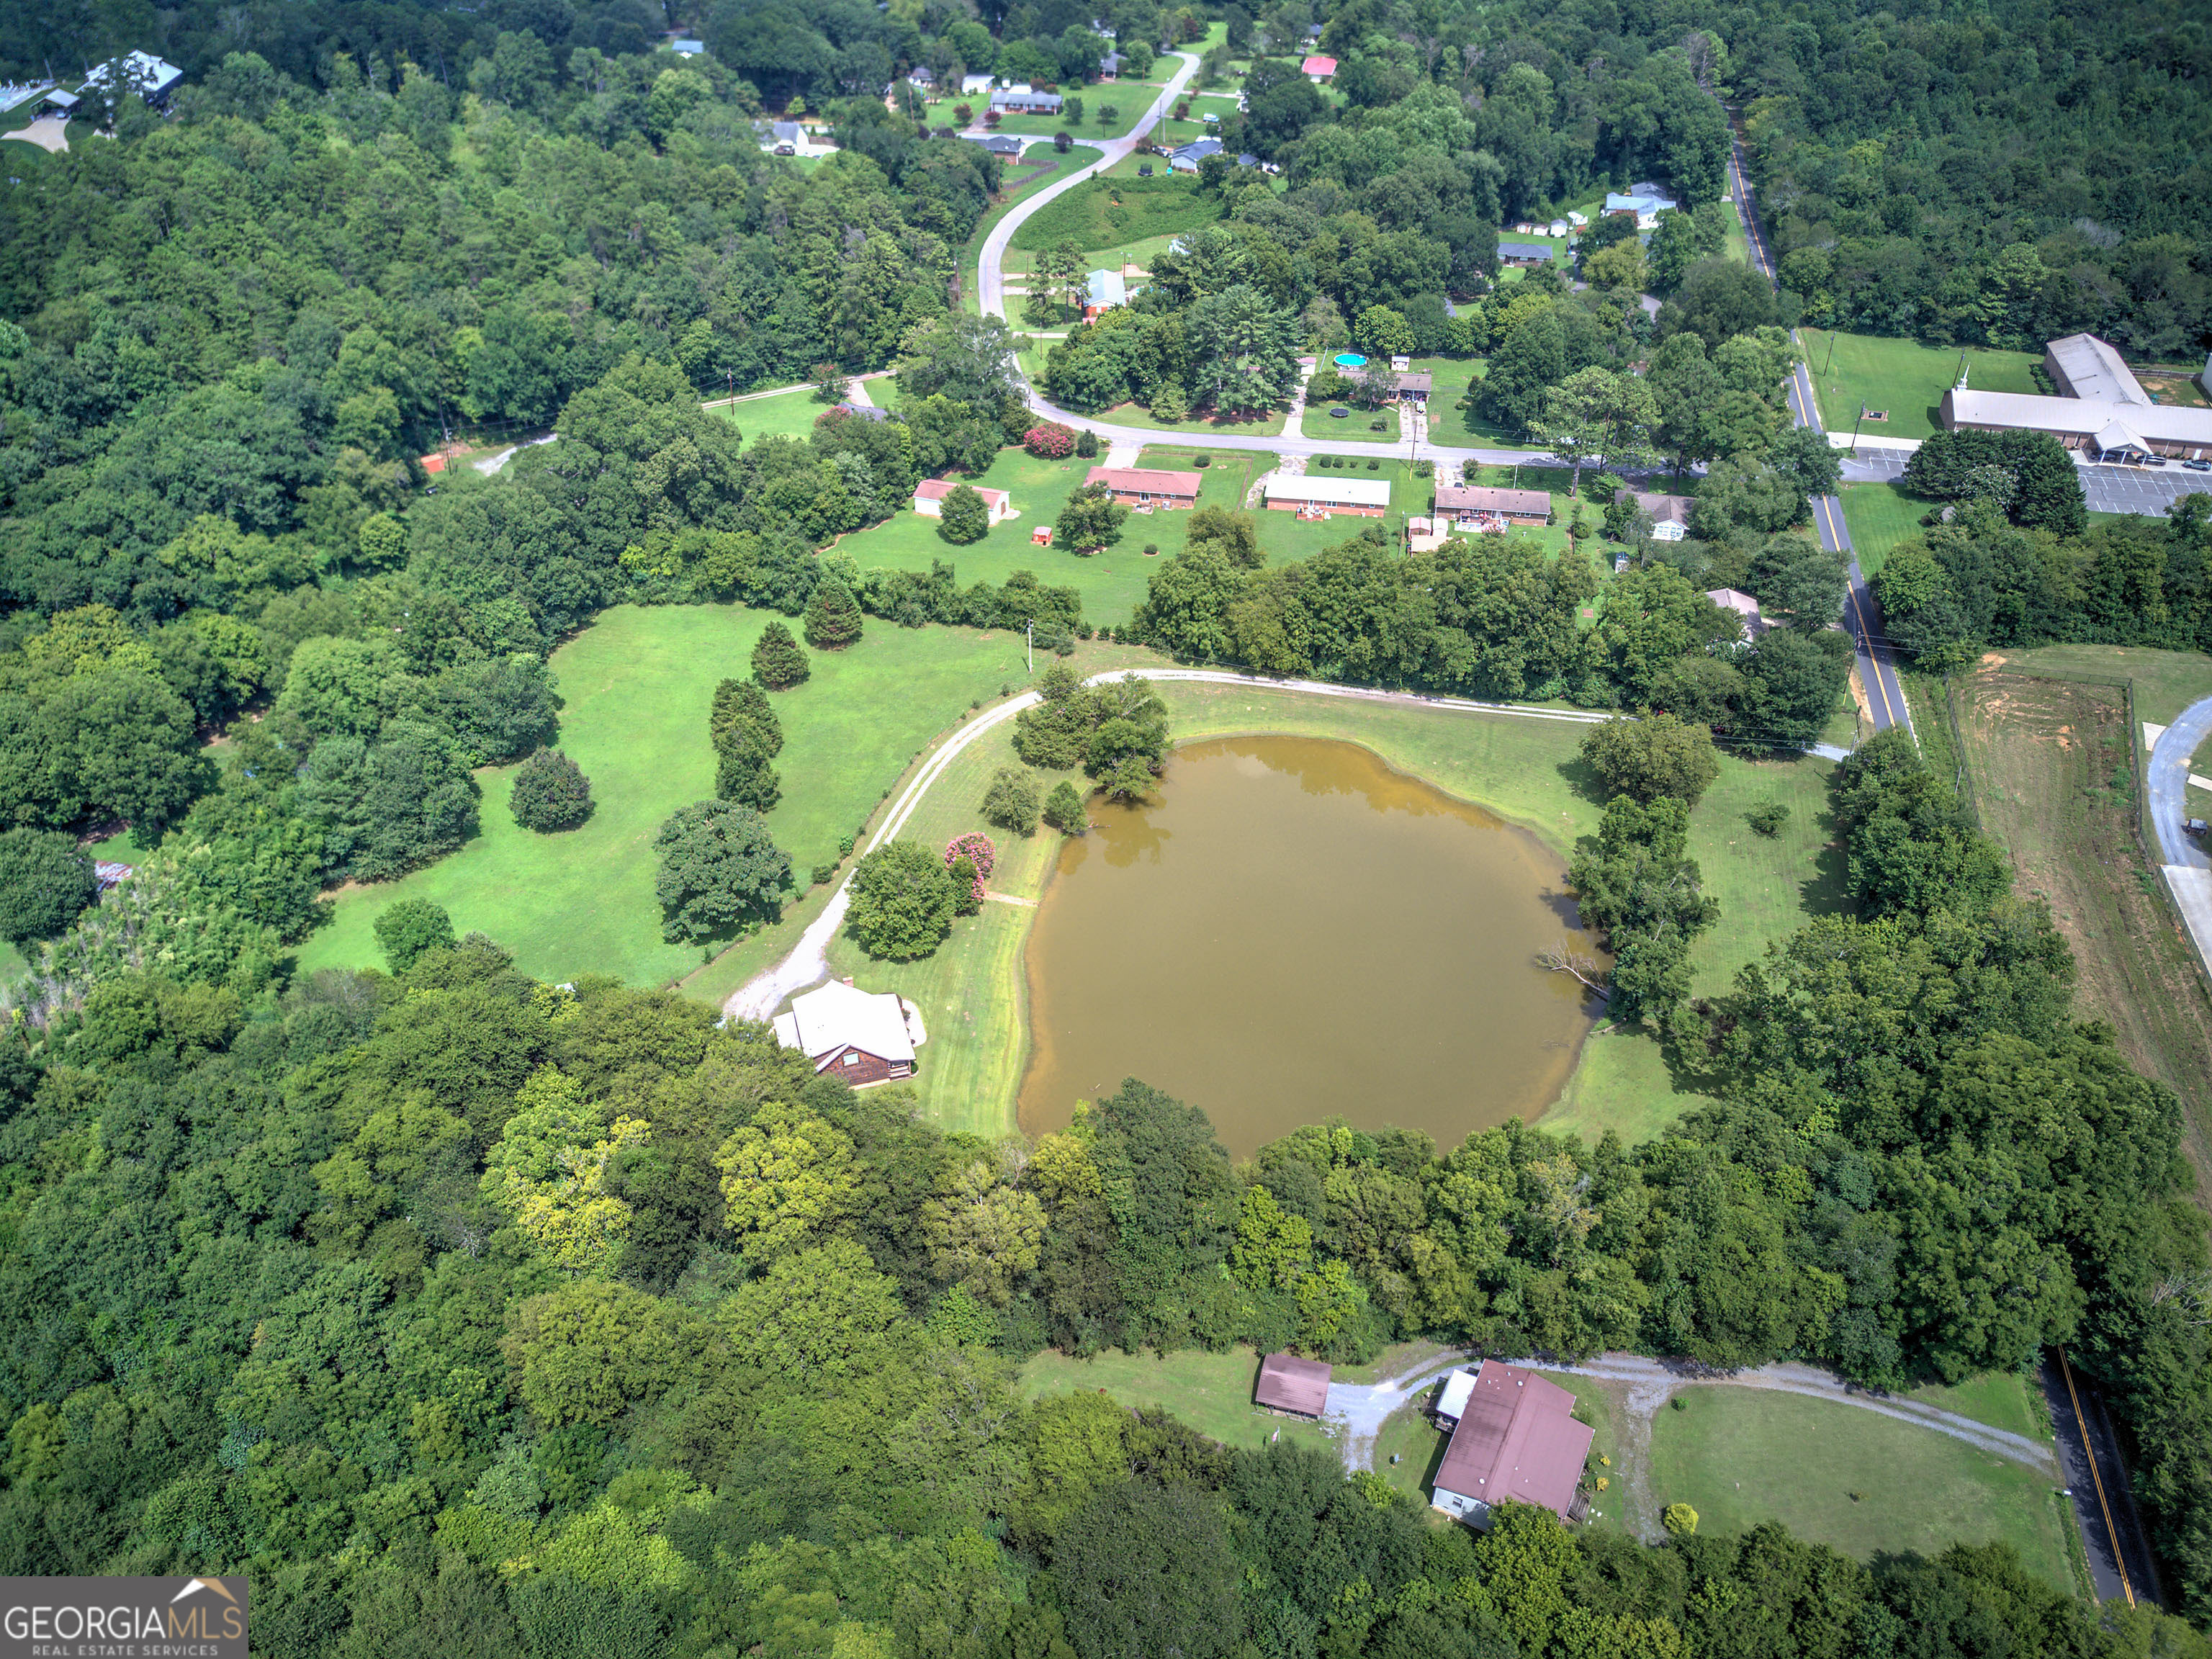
833 620
742 772
778 663
744 703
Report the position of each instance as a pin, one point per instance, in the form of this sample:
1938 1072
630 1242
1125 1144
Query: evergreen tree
742 702
741 771
778 662
833 620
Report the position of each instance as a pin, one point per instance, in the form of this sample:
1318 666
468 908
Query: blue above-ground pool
1351 360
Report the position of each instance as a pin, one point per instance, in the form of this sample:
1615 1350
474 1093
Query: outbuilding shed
1288 1383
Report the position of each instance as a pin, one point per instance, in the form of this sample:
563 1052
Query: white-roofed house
152 78
1318 493
862 1036
975 86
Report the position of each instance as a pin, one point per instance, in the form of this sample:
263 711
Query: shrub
1767 818
1049 441
718 867
1201 460
1373 465
46 881
407 929
968 860
1087 444
778 663
962 517
822 874
1679 1520
903 901
550 792
1425 468
1011 801
1171 404
1063 808
1062 143
833 618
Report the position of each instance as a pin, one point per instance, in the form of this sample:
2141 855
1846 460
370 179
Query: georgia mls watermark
123 1618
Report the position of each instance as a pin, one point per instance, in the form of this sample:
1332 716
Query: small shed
111 875
58 102
1288 1383
1042 536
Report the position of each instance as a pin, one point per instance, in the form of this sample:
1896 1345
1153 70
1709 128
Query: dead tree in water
1562 959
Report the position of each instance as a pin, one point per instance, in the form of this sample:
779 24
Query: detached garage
929 499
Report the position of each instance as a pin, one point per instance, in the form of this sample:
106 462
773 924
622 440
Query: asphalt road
2120 1559
2169 785
1885 692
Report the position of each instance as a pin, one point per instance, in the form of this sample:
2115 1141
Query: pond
1292 931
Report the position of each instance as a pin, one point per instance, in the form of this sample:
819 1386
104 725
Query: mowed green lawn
1848 1478
1090 214
1902 378
638 686
1210 1392
1110 582
783 415
1353 427
1879 517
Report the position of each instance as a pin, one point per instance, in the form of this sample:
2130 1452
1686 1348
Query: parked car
2198 466
2153 460
785 149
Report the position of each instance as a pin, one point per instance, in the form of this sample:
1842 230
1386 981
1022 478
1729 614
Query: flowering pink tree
1049 441
974 847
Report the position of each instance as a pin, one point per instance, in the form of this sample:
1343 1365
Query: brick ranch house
1147 487
861 1036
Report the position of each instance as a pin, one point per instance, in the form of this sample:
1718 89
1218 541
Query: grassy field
1110 582
1353 427
1902 378
1879 517
2003 1400
637 685
1074 161
1853 1479
2054 775
786 415
1111 212
2166 682
1210 1392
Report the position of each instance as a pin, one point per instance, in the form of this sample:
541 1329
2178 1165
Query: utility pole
1032 644
1855 428
1830 363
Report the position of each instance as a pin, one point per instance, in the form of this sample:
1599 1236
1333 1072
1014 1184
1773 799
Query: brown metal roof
1517 1440
1145 480
1291 1384
1476 498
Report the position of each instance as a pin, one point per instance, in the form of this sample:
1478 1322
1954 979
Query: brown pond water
1292 931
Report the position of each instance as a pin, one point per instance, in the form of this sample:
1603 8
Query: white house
1320 492
152 78
929 499
1668 530
861 1036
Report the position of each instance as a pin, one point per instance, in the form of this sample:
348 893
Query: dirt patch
2054 778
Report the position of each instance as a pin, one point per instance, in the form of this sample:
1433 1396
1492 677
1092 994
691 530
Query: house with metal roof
1317 494
1514 1439
1020 100
974 86
1645 202
152 78
1101 291
929 499
998 143
860 1037
1524 253
2104 410
1318 68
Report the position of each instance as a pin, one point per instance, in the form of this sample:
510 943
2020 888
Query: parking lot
2145 490
1875 464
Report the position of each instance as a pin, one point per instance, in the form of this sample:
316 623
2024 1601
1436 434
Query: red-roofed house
1515 1440
1319 69
1147 487
1288 1383
929 499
